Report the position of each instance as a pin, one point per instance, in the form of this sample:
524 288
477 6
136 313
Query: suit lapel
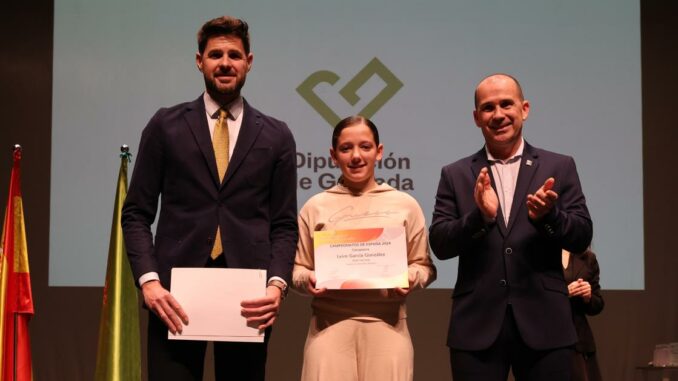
249 131
528 167
196 118
477 163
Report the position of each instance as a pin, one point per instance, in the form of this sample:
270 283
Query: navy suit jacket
519 263
255 205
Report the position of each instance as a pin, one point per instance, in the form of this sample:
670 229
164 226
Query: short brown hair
224 26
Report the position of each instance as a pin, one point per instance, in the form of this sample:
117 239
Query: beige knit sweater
339 209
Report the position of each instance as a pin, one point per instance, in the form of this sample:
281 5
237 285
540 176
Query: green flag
119 353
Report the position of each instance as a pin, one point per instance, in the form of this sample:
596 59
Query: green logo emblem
350 91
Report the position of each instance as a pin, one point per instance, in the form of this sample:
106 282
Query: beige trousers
358 350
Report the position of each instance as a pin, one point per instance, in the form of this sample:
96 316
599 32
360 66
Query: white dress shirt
505 174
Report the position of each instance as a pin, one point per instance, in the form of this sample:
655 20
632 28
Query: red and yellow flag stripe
16 300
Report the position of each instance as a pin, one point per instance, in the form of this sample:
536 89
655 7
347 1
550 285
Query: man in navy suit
506 212
226 177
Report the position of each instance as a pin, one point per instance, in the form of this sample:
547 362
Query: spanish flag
16 301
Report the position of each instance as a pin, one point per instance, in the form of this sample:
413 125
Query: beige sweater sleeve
421 271
304 265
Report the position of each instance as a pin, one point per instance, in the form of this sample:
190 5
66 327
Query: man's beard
223 94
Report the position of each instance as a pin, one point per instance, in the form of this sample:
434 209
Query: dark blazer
585 266
255 206
518 264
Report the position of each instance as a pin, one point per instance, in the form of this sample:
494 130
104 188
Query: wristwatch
281 285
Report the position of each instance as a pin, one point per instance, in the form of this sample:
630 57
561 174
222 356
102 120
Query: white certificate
211 298
361 258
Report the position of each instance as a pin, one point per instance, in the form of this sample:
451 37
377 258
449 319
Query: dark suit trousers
180 360
510 352
585 367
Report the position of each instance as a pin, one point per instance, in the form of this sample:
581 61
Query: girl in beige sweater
359 334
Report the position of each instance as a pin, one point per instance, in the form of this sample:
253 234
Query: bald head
498 78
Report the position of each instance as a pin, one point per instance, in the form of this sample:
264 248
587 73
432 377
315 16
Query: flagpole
16 345
16 156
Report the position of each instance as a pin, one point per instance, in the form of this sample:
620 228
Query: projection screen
411 66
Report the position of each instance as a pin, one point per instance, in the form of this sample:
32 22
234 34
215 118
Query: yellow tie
220 144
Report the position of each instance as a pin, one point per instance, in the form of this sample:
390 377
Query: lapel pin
529 163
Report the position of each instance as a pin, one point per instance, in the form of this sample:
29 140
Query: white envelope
211 298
